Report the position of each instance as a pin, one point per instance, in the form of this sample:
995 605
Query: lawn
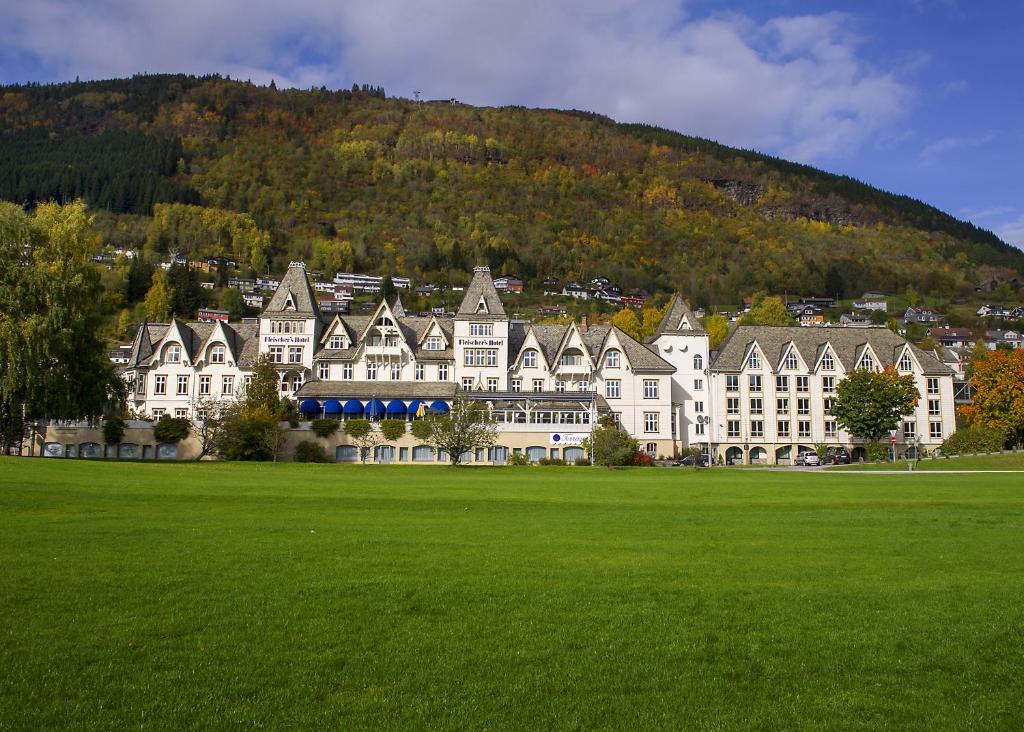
1002 461
218 596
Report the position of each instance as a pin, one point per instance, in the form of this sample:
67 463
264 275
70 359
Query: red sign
893 439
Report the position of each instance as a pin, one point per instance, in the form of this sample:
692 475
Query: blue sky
922 97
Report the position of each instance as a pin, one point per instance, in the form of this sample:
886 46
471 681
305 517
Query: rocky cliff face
829 209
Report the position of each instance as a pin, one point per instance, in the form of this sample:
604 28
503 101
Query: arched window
172 353
217 353
698 362
530 358
611 358
384 320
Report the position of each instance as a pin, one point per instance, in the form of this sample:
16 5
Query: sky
919 97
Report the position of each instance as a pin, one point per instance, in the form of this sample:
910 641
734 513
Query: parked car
807 458
836 456
689 460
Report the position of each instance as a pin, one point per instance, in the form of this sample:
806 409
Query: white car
808 458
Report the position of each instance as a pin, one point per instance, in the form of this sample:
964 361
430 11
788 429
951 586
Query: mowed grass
220 596
1002 461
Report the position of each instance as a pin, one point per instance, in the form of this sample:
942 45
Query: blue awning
310 406
375 408
353 406
414 406
439 406
396 406
332 406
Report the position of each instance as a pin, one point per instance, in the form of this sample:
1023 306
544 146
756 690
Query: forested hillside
349 178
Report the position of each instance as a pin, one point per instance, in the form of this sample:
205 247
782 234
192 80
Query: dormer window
289 303
217 353
754 362
906 364
384 321
791 361
530 359
335 342
481 306
867 363
172 354
827 362
611 359
434 343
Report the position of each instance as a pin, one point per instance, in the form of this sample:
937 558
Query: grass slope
230 596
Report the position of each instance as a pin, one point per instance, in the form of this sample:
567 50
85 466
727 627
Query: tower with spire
481 336
681 340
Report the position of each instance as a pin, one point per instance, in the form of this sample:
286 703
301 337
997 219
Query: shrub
113 429
357 428
641 459
171 429
877 452
308 451
324 427
581 461
422 429
517 458
392 429
611 446
974 439
252 436
550 461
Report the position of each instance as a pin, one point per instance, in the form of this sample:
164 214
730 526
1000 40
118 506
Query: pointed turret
294 296
481 300
678 320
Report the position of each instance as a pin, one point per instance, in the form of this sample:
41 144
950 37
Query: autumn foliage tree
998 381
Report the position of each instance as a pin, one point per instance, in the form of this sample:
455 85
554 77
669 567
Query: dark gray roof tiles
294 284
481 287
677 314
848 344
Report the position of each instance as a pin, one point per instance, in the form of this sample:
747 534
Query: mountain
209 165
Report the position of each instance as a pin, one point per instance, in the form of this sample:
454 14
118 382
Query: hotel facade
764 397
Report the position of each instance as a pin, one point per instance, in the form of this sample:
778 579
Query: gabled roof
481 299
678 319
294 296
848 344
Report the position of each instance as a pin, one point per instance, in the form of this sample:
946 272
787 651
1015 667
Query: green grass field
1004 461
214 596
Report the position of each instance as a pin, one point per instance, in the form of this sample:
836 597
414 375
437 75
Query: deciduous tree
627 321
998 381
870 404
53 360
467 426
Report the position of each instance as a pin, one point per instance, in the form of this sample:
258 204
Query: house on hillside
872 301
1005 338
953 337
809 315
509 283
853 320
923 315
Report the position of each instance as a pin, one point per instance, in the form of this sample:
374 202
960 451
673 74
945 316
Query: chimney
583 323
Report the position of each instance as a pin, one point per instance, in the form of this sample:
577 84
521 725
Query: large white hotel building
763 397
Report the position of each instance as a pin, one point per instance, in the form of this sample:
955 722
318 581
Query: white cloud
946 144
1012 231
793 85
